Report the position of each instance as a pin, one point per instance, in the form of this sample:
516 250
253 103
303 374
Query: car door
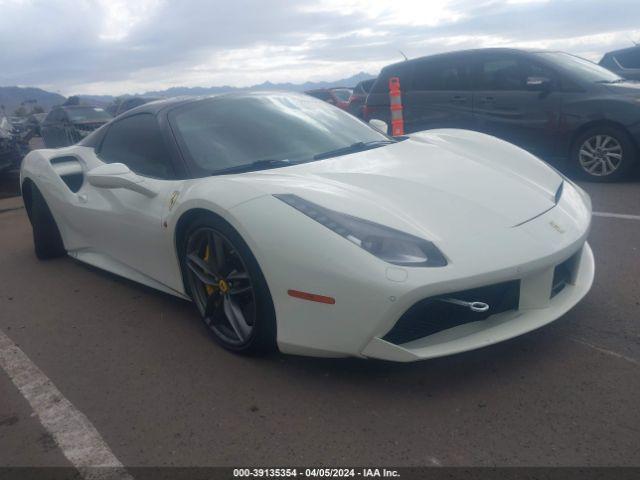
518 100
124 226
439 95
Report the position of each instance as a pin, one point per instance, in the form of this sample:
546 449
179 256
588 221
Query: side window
532 69
502 74
401 70
442 74
137 142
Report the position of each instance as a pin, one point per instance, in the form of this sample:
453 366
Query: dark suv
625 62
560 107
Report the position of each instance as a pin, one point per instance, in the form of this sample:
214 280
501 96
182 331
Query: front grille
432 315
562 275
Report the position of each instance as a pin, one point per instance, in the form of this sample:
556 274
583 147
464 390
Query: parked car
624 62
265 210
119 107
19 124
22 129
67 125
34 121
358 97
338 96
558 106
6 144
12 147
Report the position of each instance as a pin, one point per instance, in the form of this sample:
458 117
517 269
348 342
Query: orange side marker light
312 297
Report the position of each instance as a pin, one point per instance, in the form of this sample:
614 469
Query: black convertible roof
158 106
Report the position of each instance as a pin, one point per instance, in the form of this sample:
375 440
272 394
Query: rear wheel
603 154
46 235
228 288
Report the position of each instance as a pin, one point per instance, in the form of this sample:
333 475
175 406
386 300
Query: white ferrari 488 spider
292 224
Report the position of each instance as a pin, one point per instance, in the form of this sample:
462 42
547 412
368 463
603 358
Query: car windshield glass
265 131
582 68
342 94
88 114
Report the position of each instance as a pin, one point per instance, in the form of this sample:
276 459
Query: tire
46 236
603 154
216 302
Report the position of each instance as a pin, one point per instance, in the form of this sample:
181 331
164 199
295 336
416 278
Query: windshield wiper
257 165
354 147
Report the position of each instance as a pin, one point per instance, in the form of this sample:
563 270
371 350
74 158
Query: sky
133 46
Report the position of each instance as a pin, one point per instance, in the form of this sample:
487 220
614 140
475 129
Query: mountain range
295 87
13 97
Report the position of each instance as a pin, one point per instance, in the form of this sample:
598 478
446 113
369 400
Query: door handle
82 198
488 99
458 99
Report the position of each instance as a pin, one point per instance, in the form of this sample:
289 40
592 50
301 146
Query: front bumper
536 308
371 295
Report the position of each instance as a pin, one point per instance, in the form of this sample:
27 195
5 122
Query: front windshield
230 131
87 114
582 68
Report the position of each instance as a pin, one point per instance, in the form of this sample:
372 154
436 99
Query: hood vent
556 199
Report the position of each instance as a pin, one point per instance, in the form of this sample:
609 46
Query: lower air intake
562 275
432 315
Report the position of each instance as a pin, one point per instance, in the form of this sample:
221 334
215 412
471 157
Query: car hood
431 183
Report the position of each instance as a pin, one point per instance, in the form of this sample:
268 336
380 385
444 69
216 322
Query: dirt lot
142 369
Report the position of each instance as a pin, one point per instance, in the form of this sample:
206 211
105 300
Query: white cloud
393 12
121 46
121 16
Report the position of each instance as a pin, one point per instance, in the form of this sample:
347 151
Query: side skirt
105 262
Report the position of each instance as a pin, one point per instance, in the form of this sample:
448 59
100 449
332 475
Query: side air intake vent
70 171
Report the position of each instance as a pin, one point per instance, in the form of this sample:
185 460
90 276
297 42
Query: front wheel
228 287
47 240
603 154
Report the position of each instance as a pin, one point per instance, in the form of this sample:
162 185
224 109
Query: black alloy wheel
228 288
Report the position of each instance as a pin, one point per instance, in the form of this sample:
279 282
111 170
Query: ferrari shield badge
173 199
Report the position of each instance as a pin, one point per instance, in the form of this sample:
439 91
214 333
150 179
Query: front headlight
390 245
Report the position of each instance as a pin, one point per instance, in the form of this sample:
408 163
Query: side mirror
538 83
118 175
379 125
